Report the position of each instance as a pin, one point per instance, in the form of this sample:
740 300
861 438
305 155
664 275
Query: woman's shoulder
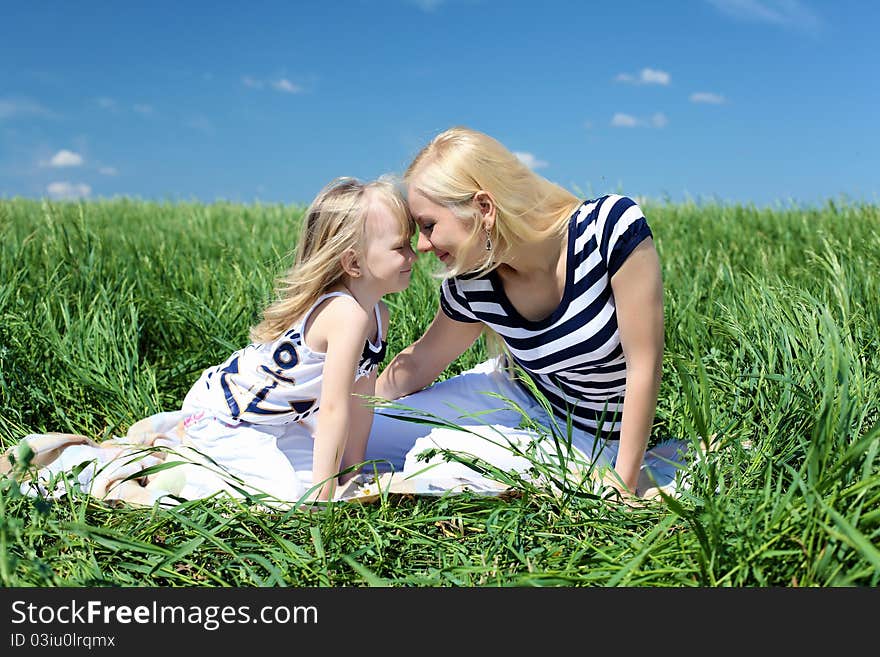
606 212
607 201
463 286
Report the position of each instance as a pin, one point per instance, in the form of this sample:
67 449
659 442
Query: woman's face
443 233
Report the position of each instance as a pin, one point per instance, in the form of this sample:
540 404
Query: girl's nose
423 245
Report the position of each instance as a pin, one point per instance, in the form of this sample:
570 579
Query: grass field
109 310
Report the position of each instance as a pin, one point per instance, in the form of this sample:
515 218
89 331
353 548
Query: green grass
109 310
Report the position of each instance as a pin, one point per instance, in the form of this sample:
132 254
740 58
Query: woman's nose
423 245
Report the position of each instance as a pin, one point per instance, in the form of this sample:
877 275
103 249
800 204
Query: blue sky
751 101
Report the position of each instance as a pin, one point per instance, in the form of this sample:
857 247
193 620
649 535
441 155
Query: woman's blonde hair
334 222
460 162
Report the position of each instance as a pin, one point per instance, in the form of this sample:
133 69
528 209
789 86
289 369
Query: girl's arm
361 421
345 324
362 412
638 296
420 363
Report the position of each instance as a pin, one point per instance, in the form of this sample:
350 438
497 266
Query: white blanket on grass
155 463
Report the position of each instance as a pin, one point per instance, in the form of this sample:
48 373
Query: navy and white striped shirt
574 355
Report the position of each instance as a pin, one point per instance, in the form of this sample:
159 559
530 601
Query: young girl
284 413
318 347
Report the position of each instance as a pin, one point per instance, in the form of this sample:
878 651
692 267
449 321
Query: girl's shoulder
339 310
342 308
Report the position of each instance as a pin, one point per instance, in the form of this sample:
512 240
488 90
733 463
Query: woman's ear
350 264
487 209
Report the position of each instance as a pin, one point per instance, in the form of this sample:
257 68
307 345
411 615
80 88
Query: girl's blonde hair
460 162
333 223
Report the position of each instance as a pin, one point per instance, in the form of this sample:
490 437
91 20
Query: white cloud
652 76
202 124
624 121
67 190
14 107
621 120
111 105
645 76
65 158
426 5
281 84
707 97
107 103
286 86
659 120
785 13
108 171
530 160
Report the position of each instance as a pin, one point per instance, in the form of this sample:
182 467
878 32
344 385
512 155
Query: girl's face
443 233
388 256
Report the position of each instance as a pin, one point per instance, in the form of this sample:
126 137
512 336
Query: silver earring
488 241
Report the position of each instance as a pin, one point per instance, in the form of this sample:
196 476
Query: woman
572 288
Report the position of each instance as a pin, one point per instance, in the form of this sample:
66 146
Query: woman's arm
346 325
638 296
422 362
